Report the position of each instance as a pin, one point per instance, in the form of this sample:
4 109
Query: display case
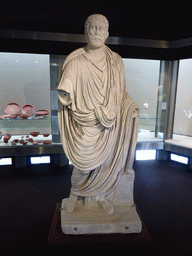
157 78
142 81
25 92
25 98
31 80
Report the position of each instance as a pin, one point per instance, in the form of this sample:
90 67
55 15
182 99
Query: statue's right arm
64 97
65 92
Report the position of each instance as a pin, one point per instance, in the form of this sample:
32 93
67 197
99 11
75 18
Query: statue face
96 34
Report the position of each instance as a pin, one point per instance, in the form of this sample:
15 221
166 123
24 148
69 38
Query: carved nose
96 31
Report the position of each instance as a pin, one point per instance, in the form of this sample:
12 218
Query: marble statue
98 124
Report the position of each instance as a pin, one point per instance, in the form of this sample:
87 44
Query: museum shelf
147 121
17 123
7 149
21 126
180 144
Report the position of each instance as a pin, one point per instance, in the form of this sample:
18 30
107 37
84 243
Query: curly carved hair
99 17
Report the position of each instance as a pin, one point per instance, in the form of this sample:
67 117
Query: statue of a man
98 120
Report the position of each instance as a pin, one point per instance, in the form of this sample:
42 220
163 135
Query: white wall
183 111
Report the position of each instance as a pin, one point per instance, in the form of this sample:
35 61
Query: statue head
96 30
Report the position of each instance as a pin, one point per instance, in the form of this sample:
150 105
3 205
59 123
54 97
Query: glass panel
166 99
142 79
162 99
25 79
56 63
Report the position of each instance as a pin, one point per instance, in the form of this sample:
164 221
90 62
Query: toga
98 122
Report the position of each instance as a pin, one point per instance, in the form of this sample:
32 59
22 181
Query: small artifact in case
28 109
12 108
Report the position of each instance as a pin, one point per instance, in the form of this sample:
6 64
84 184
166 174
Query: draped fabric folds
97 121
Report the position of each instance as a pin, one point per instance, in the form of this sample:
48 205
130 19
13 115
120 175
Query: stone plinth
92 219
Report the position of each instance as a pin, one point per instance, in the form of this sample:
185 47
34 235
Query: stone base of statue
92 219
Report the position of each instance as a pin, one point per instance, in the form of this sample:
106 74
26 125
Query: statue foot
106 206
70 203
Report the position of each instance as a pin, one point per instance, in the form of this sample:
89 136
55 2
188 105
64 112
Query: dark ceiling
138 20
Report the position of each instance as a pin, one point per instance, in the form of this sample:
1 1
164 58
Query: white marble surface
98 120
94 220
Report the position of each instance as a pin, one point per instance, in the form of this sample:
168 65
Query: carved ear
85 31
107 35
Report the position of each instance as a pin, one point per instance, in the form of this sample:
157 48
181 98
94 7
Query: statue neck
95 54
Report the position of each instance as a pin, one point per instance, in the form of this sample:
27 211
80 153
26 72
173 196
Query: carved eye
93 28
